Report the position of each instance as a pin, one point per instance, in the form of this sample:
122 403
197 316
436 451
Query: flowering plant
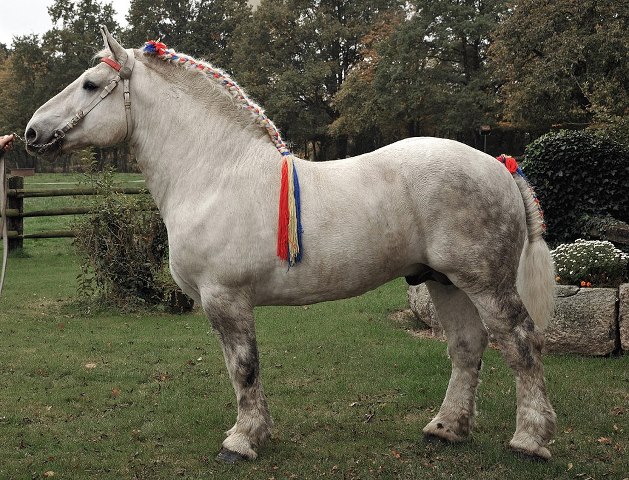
590 263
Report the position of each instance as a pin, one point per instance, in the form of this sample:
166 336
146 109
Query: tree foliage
294 56
202 28
564 63
426 76
342 77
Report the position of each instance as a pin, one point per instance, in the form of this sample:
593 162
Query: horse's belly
340 271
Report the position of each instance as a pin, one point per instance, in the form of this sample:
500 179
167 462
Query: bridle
123 73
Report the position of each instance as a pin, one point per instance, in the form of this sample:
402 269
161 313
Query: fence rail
16 193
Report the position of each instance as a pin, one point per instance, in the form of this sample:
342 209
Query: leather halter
124 74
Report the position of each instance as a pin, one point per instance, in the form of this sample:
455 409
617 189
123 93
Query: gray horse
427 209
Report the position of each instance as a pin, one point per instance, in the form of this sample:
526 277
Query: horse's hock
587 321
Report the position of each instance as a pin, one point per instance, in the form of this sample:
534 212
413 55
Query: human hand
6 142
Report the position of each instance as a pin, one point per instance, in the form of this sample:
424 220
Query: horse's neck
184 151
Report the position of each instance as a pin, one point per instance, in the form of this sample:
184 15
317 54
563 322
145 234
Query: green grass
147 396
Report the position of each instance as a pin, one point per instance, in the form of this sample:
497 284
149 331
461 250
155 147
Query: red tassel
282 227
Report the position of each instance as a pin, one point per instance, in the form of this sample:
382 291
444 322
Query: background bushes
123 247
577 175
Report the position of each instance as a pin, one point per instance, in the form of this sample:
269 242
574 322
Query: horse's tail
536 273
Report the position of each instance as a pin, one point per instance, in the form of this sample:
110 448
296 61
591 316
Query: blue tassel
298 209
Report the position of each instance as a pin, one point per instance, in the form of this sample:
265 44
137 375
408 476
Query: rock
584 321
566 290
623 315
423 308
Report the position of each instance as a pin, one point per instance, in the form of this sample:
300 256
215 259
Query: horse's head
92 110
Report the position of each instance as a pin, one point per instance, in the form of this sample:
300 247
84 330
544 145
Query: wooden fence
16 214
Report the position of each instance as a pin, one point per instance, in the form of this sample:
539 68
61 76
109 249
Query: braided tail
536 273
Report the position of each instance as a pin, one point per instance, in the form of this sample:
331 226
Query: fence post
16 223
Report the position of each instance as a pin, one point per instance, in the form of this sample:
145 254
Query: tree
24 74
201 28
72 44
564 63
166 20
428 76
294 56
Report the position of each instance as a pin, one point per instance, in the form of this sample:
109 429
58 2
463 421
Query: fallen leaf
395 453
570 466
90 366
115 392
604 441
49 473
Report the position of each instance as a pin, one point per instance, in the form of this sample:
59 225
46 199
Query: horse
428 209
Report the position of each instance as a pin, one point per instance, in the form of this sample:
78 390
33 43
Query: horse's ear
114 47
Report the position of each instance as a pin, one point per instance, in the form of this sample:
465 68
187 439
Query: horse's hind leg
467 340
506 318
233 320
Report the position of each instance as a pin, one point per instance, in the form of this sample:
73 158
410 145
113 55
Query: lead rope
3 219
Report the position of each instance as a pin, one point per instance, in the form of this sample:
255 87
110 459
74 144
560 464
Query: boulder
623 316
423 308
584 321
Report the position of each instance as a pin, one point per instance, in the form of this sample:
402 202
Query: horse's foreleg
467 340
521 343
233 320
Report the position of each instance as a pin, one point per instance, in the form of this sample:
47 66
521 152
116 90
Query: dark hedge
577 174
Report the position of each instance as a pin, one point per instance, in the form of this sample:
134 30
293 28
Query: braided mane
221 78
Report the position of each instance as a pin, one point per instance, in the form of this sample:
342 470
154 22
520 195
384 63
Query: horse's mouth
51 149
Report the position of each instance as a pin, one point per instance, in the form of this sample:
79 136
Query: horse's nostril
31 135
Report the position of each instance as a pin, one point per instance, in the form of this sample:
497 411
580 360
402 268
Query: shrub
575 174
124 248
592 262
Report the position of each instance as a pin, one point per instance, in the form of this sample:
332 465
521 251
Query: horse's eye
89 85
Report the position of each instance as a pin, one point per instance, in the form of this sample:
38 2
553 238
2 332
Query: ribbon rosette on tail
289 217
511 164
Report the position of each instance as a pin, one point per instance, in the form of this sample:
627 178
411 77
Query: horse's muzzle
51 148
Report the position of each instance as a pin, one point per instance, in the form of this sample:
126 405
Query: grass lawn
146 396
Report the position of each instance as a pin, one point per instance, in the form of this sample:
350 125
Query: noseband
123 73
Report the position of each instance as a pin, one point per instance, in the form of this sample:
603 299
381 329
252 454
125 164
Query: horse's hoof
531 451
439 431
230 457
